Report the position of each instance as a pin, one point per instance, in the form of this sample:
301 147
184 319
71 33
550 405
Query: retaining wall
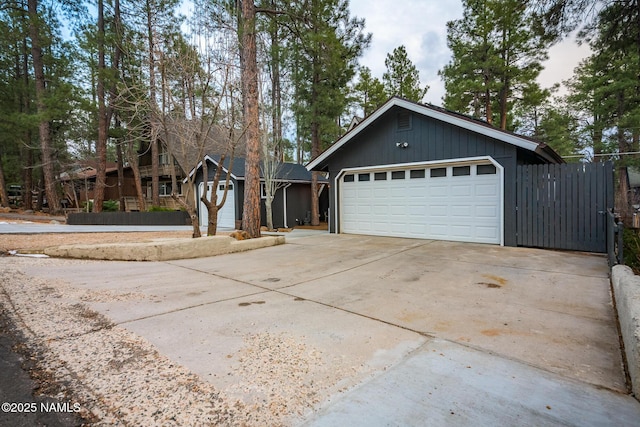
163 249
626 288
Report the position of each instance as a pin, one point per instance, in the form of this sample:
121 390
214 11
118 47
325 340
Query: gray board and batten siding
428 139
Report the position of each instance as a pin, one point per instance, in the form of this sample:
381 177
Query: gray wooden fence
564 206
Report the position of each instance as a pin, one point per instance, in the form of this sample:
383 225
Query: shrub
159 209
89 208
631 248
110 206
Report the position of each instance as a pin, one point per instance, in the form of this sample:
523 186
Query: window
461 170
486 170
397 175
364 177
417 173
163 157
438 172
380 176
349 178
165 188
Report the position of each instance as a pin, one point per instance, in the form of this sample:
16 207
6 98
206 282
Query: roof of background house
292 172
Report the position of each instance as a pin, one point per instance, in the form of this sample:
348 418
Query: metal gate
564 206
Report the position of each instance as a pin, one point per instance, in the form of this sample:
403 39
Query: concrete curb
626 288
163 250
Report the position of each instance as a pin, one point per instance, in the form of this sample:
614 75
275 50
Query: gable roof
446 116
289 172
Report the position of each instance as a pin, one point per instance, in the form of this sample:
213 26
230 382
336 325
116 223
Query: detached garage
413 170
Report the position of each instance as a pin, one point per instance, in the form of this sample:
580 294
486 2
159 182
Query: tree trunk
315 140
132 157
192 214
249 69
103 125
120 175
155 165
44 128
113 95
27 196
267 204
4 197
276 93
27 151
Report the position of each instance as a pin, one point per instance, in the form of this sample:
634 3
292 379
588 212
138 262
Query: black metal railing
614 239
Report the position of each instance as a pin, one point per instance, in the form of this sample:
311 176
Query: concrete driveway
412 332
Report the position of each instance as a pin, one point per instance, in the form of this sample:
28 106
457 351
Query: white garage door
226 215
443 202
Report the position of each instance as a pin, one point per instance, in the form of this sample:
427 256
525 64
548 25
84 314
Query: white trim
429 112
284 196
406 166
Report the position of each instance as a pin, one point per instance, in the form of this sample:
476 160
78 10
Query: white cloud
421 26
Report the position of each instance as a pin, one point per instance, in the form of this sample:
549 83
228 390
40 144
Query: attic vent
404 120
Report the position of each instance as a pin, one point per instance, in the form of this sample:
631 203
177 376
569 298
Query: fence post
620 231
615 247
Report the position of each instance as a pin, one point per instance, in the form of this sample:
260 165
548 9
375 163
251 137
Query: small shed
415 170
291 205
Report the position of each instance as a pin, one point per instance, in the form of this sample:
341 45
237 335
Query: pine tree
328 43
402 77
497 55
368 92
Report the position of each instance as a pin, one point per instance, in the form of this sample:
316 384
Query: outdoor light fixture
402 144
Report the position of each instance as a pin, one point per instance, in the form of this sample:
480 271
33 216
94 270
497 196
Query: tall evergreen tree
369 93
497 55
402 77
328 43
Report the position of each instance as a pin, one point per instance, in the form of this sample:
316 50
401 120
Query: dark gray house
291 205
414 170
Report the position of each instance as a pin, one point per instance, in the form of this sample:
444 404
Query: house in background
291 205
414 170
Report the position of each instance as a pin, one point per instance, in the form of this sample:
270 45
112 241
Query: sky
421 26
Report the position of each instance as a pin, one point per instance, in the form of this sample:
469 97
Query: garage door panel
489 190
380 210
398 228
417 210
435 211
461 211
463 190
364 210
490 212
461 230
439 230
489 233
438 190
460 208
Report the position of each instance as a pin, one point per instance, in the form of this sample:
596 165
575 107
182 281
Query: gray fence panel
563 206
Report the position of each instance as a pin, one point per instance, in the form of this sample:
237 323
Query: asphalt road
22 406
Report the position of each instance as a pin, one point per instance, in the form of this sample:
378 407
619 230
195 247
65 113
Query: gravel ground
118 378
